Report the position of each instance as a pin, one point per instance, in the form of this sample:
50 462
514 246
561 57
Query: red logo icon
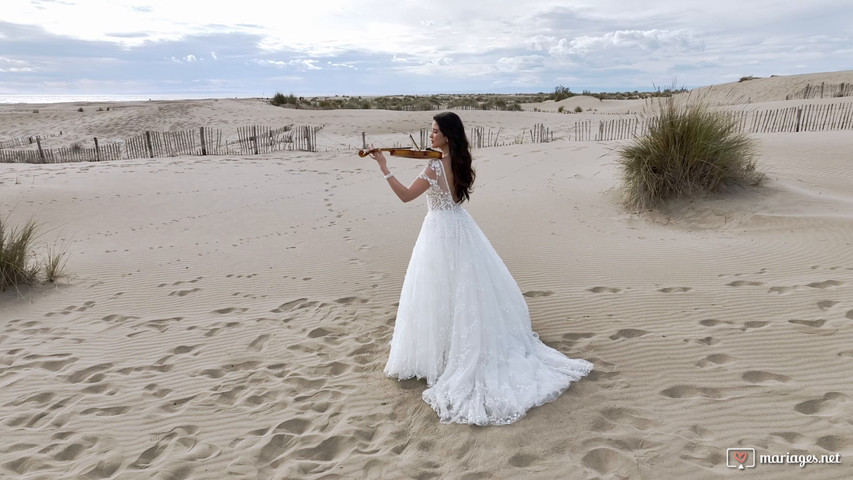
740 458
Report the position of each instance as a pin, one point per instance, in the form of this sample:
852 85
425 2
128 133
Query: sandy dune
228 317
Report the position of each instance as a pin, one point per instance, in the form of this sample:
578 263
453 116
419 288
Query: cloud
299 64
521 63
12 65
649 40
185 59
371 46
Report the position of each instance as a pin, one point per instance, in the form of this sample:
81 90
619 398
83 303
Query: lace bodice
438 194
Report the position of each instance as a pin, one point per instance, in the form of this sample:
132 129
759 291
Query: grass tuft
690 150
18 265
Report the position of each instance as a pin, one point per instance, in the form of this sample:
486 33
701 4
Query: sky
256 48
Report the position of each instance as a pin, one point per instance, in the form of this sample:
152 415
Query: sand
229 316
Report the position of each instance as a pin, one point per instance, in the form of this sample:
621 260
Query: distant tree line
505 102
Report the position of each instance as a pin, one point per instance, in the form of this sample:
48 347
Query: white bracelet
389 176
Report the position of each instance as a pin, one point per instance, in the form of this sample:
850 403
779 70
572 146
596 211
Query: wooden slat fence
582 131
256 139
806 118
480 138
16 142
204 141
824 90
98 153
163 144
541 134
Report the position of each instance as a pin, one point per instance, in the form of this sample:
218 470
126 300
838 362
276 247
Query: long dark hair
460 153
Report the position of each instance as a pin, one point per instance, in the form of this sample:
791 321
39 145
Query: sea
113 98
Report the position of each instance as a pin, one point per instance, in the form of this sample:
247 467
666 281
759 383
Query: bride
462 323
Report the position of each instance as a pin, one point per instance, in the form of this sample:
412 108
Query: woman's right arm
404 193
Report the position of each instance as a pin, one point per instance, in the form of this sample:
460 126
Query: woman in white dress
462 323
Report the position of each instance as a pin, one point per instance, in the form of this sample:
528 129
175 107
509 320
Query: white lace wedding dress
463 324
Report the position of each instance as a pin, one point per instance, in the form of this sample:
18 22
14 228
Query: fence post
306 134
148 144
97 151
41 152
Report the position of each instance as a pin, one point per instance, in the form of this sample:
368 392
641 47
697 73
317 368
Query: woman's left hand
379 157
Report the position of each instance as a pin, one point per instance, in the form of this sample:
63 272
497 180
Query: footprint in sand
276 447
712 322
291 305
538 293
754 324
715 359
607 461
227 310
789 437
350 300
781 290
184 349
825 284
183 293
832 443
318 332
821 405
628 333
702 455
53 365
809 323
327 450
118 318
571 338
155 390
603 290
690 391
257 344
826 304
675 289
106 412
522 460
91 374
758 376
744 283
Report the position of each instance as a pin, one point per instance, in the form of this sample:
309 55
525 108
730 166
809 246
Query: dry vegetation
690 150
506 102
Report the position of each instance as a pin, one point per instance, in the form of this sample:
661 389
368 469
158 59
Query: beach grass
18 263
690 150
54 262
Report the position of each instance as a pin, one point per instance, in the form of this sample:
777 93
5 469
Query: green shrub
578 109
561 93
690 150
279 99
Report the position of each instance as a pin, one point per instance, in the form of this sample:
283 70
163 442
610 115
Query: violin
404 152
